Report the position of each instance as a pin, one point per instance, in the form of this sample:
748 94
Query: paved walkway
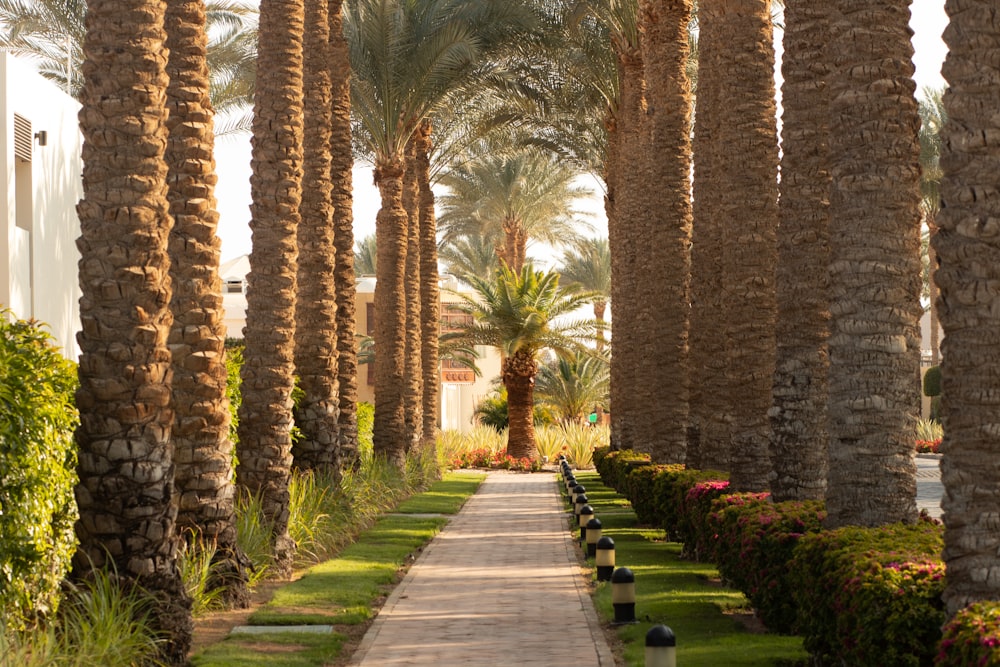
501 584
929 487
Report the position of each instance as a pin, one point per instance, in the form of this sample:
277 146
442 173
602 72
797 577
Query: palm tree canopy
932 118
587 264
530 189
364 256
574 385
473 255
525 313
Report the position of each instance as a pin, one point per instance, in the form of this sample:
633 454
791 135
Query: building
40 168
460 389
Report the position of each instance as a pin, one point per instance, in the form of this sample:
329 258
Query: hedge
972 637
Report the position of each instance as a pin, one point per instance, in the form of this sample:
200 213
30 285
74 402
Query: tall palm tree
51 34
316 362
125 493
406 58
430 294
748 209
967 250
874 266
204 450
798 416
414 395
587 264
516 198
521 315
265 414
342 199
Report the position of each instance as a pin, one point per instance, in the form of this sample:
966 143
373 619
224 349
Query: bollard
581 500
586 514
623 596
592 536
605 558
578 491
661 647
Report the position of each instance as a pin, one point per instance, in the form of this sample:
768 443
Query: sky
233 153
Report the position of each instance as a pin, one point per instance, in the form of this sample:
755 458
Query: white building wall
38 221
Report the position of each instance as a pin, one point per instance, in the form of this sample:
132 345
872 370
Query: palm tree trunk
662 238
600 307
414 359
710 411
390 435
342 200
125 494
264 449
966 247
430 297
799 413
316 301
203 449
875 266
518 376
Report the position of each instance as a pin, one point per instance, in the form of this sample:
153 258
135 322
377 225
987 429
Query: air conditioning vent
23 138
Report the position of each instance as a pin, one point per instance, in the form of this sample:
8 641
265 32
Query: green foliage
234 360
971 637
575 384
486 458
932 381
366 422
492 412
194 560
870 596
37 471
755 540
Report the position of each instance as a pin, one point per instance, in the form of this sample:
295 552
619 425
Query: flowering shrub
487 458
928 446
870 596
701 535
756 539
972 637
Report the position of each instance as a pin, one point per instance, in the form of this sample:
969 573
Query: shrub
756 541
932 381
870 596
37 471
972 637
614 466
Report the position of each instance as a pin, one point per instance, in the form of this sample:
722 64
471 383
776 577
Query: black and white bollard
623 595
592 535
586 514
578 491
570 483
661 647
605 558
581 500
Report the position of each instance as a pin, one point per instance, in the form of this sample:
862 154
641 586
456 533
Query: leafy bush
972 637
756 541
492 412
870 596
703 533
37 471
488 458
932 381
614 466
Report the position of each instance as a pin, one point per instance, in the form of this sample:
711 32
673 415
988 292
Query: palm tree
966 248
265 415
515 198
366 256
521 315
932 118
587 264
874 267
342 199
430 294
51 33
574 385
204 450
798 416
406 59
414 394
125 493
473 255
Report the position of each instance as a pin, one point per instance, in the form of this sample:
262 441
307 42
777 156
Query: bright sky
233 154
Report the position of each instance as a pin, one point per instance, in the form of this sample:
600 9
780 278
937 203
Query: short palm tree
574 385
522 314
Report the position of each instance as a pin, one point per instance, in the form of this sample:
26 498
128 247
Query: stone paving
501 584
929 487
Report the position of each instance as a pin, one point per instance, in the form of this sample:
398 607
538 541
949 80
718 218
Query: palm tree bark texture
316 303
968 246
662 238
430 296
342 198
264 449
414 400
125 493
874 266
518 375
748 212
799 411
709 411
203 450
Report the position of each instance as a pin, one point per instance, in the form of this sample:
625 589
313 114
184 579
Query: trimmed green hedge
870 596
972 637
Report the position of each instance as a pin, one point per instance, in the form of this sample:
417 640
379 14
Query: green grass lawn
681 594
344 590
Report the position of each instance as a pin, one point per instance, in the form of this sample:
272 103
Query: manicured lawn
681 594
